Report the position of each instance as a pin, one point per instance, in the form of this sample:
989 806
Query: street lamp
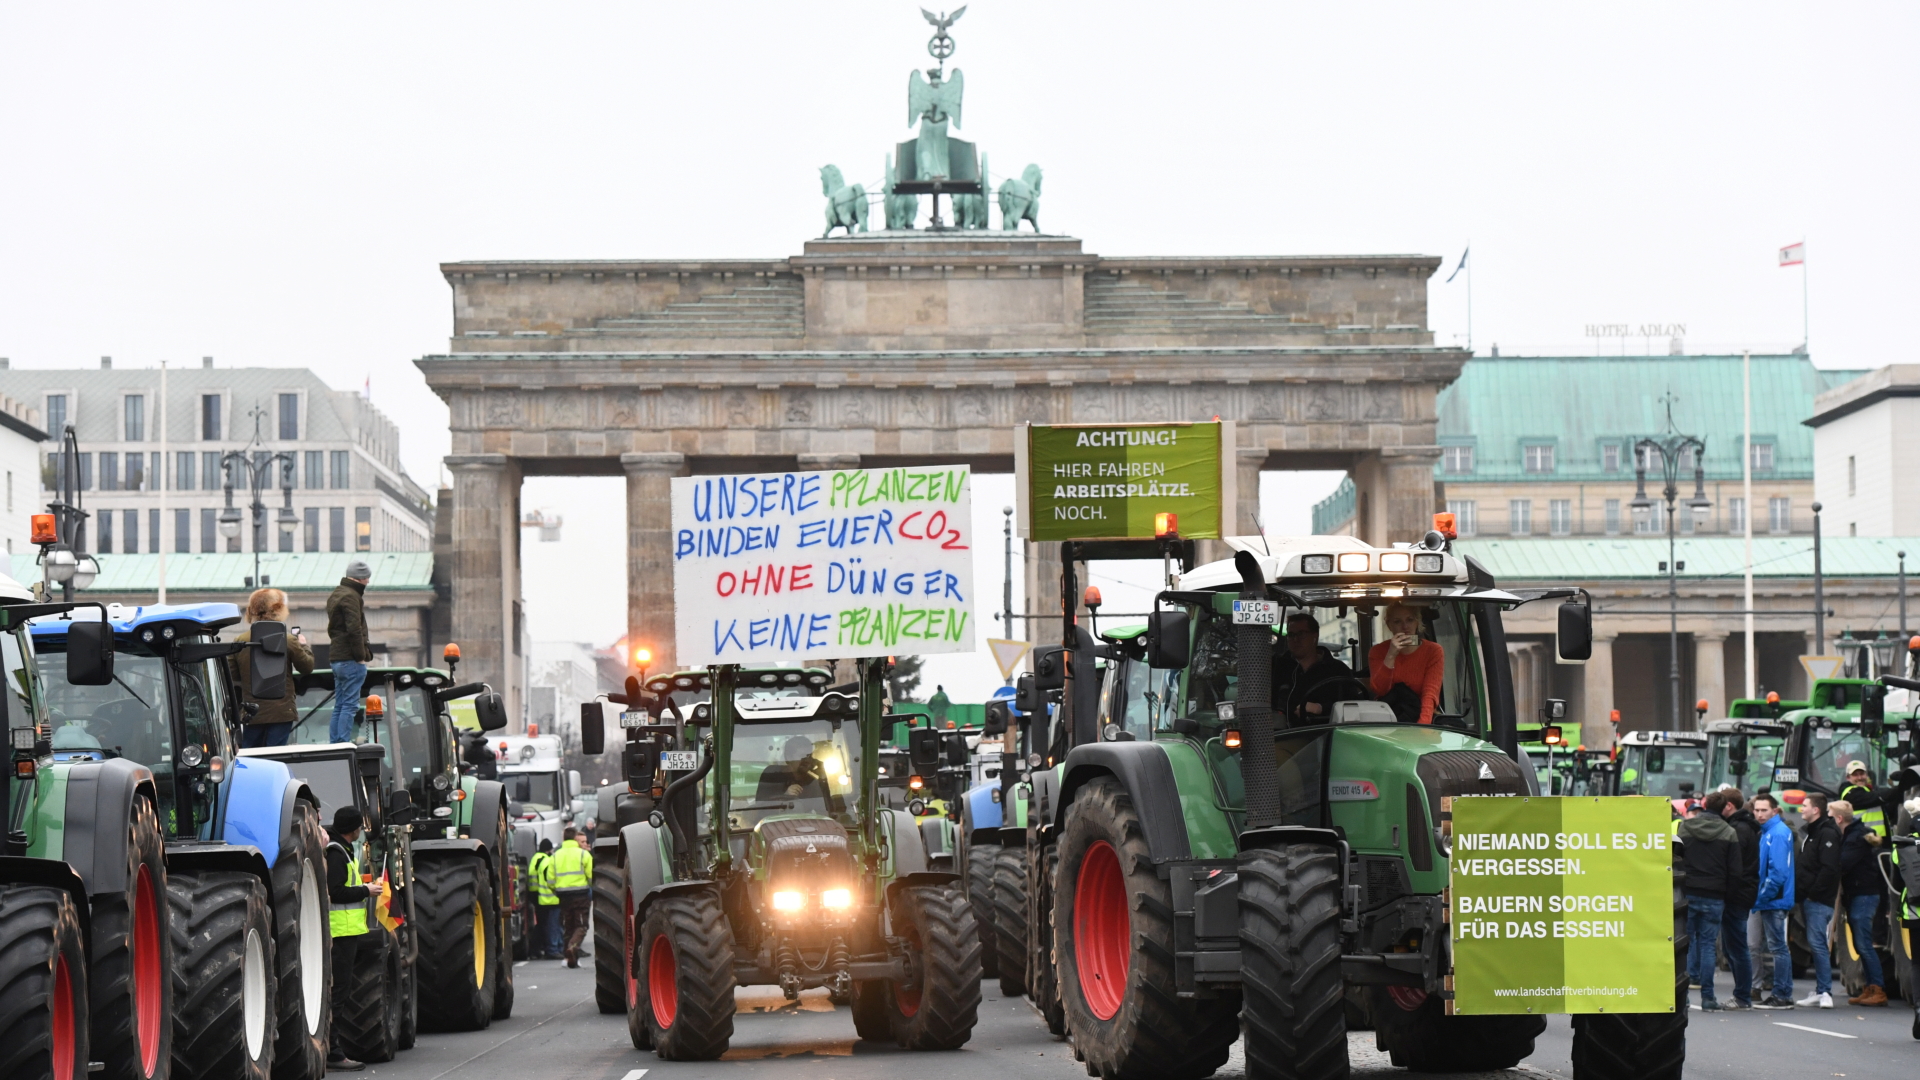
63 549
230 518
84 571
1671 447
259 468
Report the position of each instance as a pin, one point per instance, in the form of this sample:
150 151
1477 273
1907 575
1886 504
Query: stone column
844 670
1596 728
650 555
486 572
1710 671
1246 515
1405 508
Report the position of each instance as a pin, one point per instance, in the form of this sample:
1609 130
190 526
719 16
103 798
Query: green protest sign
1110 481
1561 905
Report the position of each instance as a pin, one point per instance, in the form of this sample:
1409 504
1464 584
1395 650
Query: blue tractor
245 857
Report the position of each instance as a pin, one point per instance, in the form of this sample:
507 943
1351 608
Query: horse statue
846 203
901 209
1021 199
970 211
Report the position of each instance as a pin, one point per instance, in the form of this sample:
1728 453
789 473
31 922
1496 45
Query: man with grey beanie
347 648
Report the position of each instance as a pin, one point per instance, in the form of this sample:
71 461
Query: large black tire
940 1010
525 920
980 860
223 976
627 967
685 965
1006 934
303 957
1296 1027
873 1010
1425 1039
1114 948
128 985
1043 978
369 1027
43 985
1640 1046
459 943
609 937
497 835
409 992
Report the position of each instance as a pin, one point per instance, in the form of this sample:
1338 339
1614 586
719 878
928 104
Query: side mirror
923 749
573 783
955 746
1050 667
490 710
1576 633
1873 711
1555 709
593 728
267 667
1027 696
998 718
1169 642
400 807
89 653
1656 760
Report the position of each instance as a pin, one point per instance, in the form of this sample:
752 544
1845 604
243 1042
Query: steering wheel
1366 694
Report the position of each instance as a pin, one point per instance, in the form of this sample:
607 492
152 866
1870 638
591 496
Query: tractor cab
1742 753
1671 765
1845 720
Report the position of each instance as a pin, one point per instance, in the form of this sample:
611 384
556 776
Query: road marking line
1816 1031
520 964
635 1074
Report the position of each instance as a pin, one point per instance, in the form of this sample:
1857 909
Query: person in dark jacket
273 722
1860 892
1318 677
1728 803
348 916
1710 858
1817 884
348 651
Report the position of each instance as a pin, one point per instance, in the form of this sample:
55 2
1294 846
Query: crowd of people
1747 871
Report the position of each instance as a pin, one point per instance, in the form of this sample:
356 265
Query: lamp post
1670 447
1819 591
258 472
65 561
1006 584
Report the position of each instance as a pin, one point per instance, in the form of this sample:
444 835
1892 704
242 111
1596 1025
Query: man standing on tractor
348 652
349 906
573 883
547 939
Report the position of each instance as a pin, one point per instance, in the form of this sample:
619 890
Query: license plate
679 760
1823 733
1786 776
1256 612
634 718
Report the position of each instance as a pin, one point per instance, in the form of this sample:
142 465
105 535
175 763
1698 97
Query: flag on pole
1794 254
1462 266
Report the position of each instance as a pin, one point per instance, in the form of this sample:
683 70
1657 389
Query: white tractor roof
13 591
1283 562
1664 738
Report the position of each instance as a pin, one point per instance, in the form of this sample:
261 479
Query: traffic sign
1007 653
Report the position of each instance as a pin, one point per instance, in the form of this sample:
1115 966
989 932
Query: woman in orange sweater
1407 660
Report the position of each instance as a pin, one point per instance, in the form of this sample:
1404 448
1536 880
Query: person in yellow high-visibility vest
573 884
546 903
349 916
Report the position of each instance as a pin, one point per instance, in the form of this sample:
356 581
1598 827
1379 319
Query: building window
336 528
1560 517
286 535
289 416
1687 459
1519 517
130 534
210 417
134 406
183 531
1464 520
363 528
1654 522
1761 455
311 541
136 472
153 530
211 475
183 470
1610 457
1737 516
316 469
1779 515
342 470
1648 458
209 530
56 415
109 471
1539 458
103 543
1684 516
1613 517
1456 459
1852 475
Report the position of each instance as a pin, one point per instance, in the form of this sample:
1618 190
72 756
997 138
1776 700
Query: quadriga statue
1021 199
846 203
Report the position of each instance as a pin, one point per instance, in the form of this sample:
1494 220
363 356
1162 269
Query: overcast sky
276 184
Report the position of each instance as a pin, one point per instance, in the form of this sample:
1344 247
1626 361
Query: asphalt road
557 1032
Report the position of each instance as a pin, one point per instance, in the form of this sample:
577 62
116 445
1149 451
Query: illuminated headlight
1316 564
846 780
788 900
684 682
146 636
837 899
768 678
1353 562
1395 562
791 678
916 783
1428 564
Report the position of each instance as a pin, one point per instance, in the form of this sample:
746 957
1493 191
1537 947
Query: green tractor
767 858
1185 889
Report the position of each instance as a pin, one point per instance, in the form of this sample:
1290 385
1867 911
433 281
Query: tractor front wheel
1007 933
980 860
43 985
128 986
609 936
1295 1014
223 976
1413 1028
1043 979
459 947
303 960
369 1027
684 962
938 1008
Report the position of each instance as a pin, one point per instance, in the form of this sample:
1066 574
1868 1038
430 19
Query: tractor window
413 720
198 715
313 712
533 791
1147 695
1302 759
20 675
125 718
1663 771
1763 753
1827 757
332 781
793 767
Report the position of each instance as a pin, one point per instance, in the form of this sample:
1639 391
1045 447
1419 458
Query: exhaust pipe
1253 703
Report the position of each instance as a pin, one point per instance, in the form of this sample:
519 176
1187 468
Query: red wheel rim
62 1021
663 993
633 949
1409 998
1102 931
146 971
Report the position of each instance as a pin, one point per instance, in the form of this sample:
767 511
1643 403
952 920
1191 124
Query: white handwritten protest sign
823 565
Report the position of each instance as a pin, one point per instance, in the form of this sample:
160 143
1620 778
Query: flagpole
1746 518
1469 296
160 534
1806 326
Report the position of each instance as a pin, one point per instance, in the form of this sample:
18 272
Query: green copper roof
1578 559
1501 404
229 570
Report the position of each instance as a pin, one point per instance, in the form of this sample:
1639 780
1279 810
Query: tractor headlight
788 900
837 899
